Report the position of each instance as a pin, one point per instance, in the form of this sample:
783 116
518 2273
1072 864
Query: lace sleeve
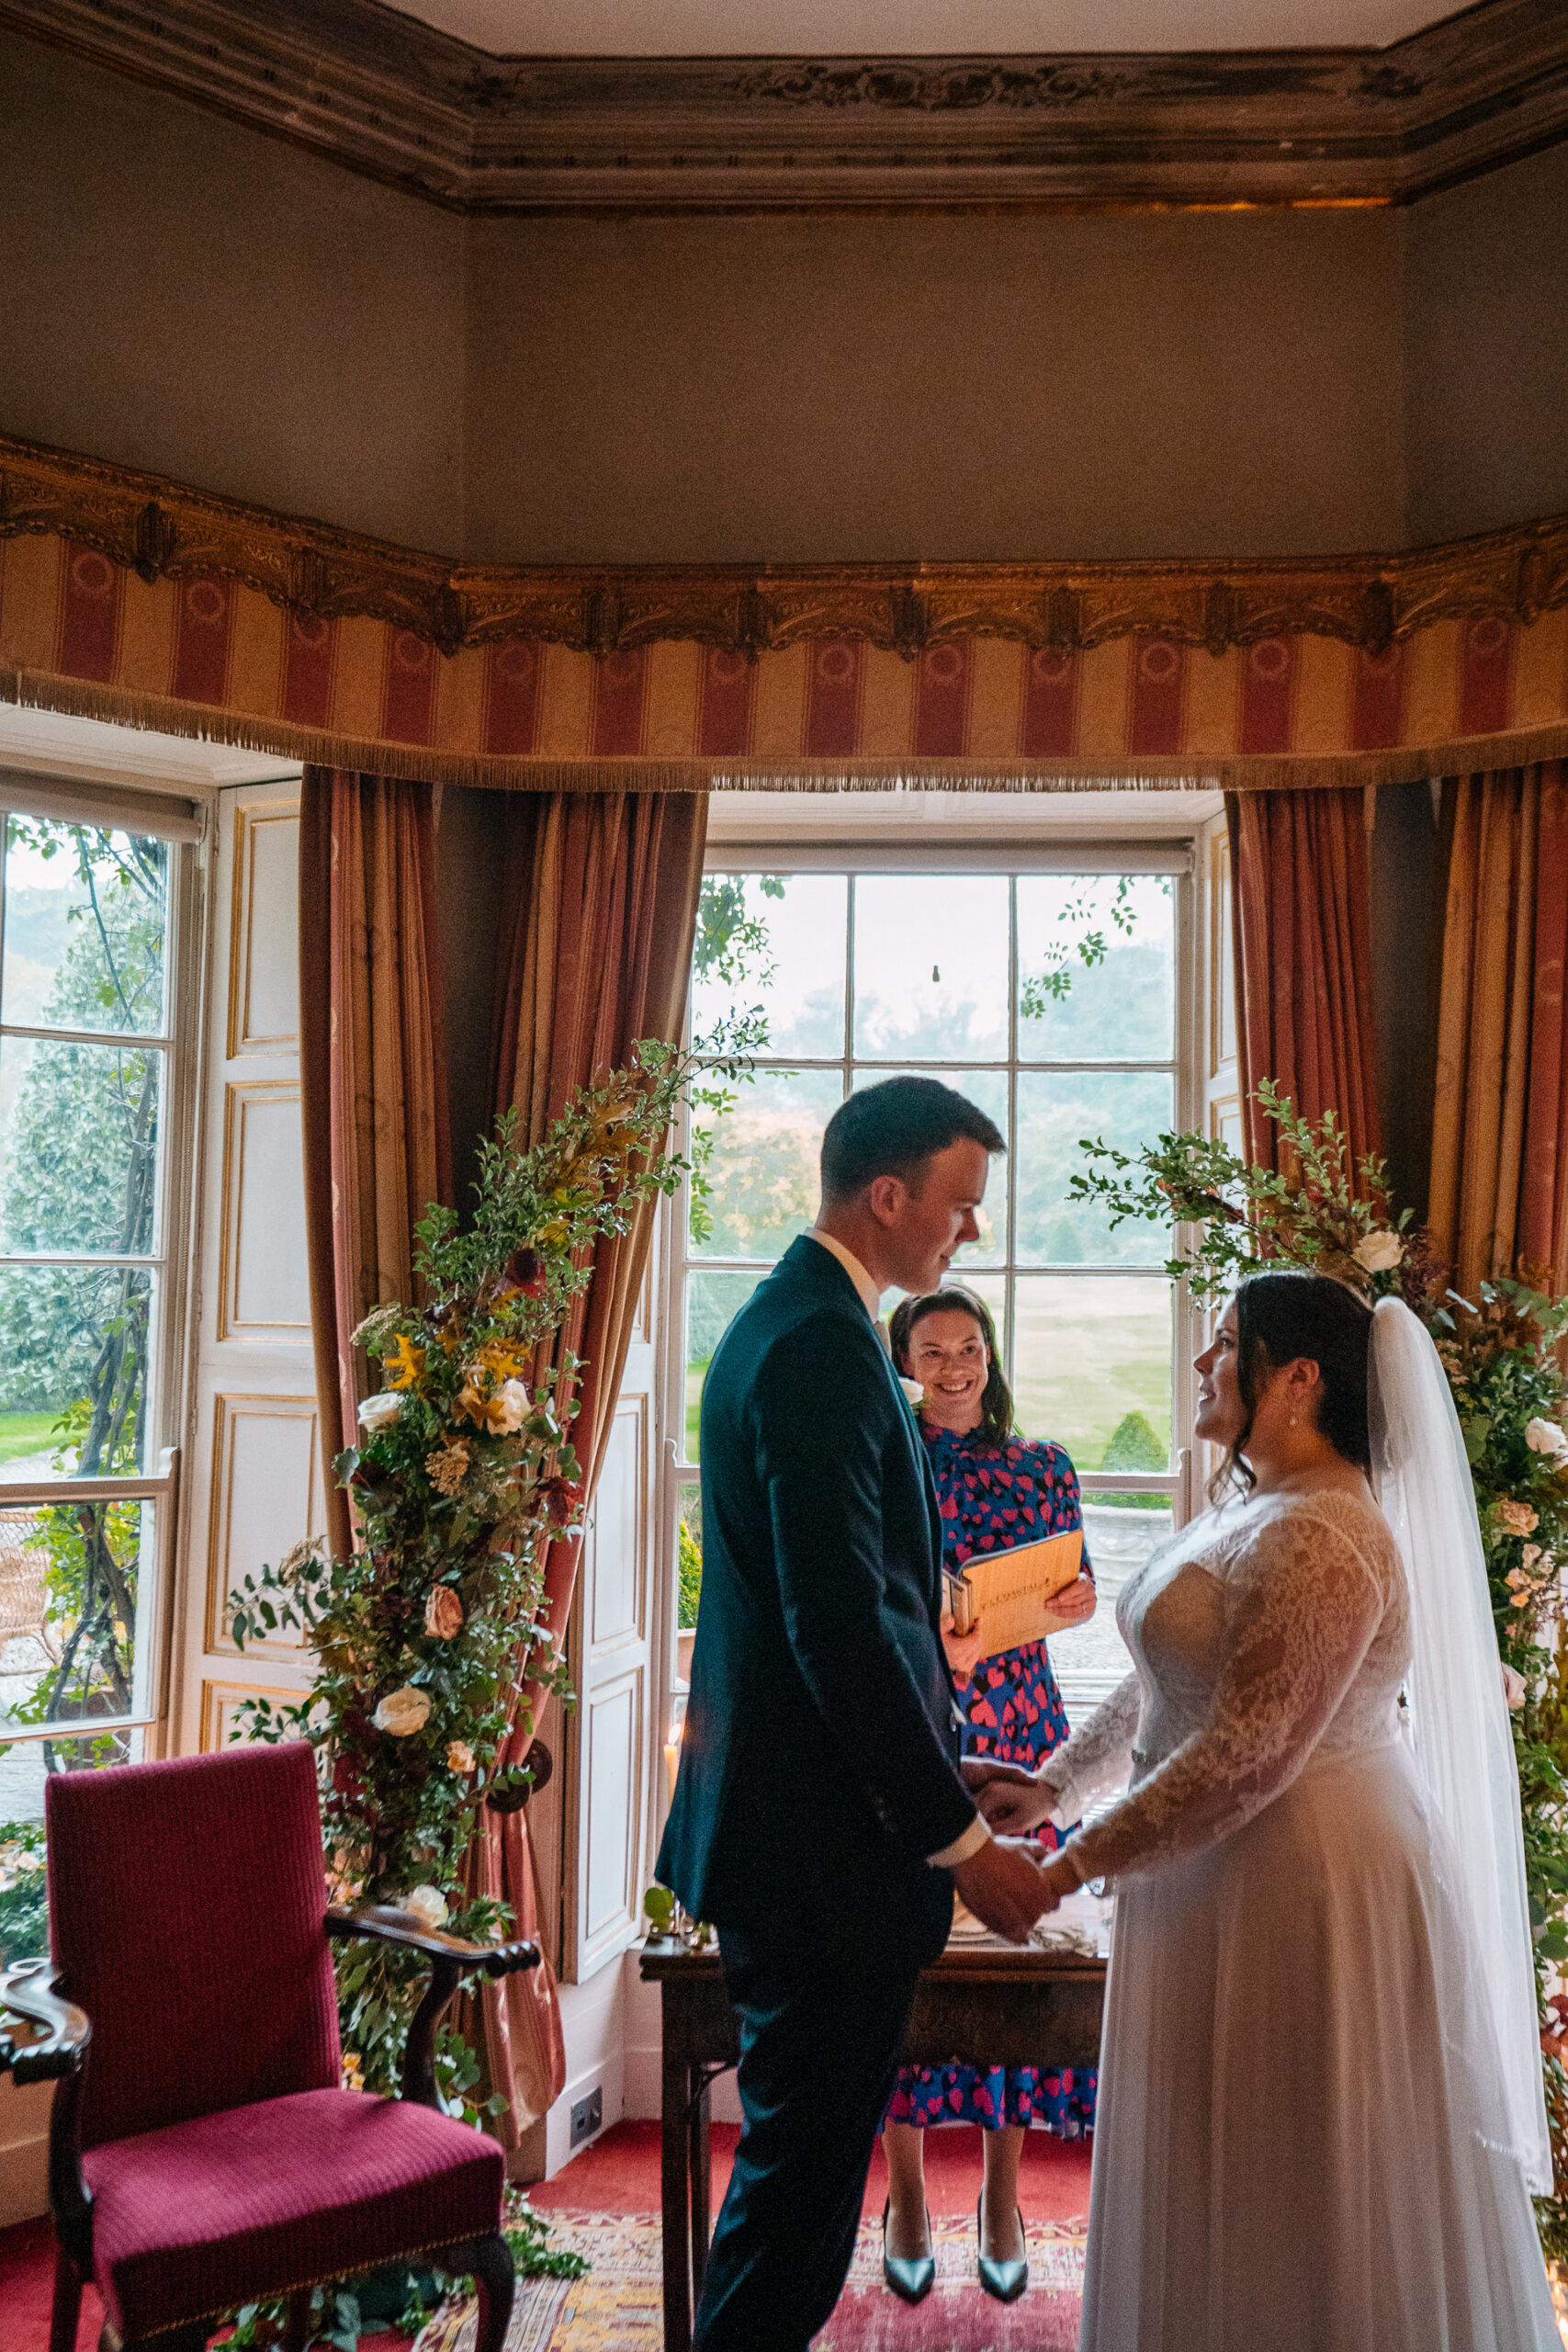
1097 1755
1302 1606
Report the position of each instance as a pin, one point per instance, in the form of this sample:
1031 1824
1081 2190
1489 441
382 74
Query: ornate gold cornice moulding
385 95
163 530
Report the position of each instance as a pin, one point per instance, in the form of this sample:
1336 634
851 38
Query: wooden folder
1012 1592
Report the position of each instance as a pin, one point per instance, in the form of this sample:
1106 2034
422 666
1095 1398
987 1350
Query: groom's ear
886 1196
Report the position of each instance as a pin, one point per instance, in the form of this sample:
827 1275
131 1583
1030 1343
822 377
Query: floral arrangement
463 1477
1503 1353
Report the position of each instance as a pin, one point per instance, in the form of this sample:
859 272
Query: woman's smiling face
949 1357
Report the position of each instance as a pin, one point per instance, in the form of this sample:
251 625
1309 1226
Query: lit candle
672 1759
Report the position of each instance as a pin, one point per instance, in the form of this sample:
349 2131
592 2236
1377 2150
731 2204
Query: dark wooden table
982 2003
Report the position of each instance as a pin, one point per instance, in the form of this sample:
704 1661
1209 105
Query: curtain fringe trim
41 690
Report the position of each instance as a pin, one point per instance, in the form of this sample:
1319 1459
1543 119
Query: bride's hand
1057 1879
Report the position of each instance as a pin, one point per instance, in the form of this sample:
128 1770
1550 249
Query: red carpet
619 2175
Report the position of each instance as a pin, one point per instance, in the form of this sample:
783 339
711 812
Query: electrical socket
587 2115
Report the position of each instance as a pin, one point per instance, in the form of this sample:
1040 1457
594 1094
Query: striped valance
201 651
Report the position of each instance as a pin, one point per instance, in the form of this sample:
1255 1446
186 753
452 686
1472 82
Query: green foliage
688 1579
1326 1213
731 946
528 2235
1135 1445
1081 914
464 1477
23 1898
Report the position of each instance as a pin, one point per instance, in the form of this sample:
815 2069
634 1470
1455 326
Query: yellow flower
353 2078
504 1358
1514 1518
403 1365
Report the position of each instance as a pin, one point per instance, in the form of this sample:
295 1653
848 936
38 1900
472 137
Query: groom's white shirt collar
870 1297
978 1832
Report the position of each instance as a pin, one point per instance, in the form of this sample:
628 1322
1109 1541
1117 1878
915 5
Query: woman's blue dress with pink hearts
994 1497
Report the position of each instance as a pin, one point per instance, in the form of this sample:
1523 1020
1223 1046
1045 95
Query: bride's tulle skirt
1299 2146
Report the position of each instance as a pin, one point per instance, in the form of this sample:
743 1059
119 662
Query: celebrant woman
1321 2112
996 1491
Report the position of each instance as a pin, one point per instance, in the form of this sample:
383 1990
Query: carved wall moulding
385 95
161 530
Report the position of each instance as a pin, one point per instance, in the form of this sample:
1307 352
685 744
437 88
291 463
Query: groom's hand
1003 1884
1014 1801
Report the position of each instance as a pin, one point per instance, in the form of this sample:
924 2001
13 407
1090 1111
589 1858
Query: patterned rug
618 2307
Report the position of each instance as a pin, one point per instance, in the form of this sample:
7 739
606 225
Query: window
88 967
1054 1001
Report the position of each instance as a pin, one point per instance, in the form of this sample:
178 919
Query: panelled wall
255 1463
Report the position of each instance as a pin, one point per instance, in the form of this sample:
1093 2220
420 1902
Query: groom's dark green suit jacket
818 1761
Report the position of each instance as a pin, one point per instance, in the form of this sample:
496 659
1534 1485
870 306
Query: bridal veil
1459 1718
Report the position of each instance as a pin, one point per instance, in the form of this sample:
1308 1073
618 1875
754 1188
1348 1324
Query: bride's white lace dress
1301 2145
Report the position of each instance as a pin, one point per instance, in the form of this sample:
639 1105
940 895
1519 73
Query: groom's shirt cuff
968 1842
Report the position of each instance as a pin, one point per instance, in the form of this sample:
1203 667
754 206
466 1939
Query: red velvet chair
206 2156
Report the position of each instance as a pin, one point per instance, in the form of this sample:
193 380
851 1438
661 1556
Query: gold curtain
1499 1191
372 1057
1300 904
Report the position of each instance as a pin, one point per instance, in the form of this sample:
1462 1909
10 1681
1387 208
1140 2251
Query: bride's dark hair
1283 1316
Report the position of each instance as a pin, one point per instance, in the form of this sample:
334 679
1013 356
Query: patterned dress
993 1498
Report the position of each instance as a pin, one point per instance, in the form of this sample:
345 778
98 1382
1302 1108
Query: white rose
1379 1253
509 1409
377 1410
1515 1688
911 1388
1545 1437
428 1906
402 1712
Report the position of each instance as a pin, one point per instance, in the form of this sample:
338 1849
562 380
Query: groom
819 1821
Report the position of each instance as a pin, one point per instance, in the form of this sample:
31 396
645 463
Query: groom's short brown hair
893 1130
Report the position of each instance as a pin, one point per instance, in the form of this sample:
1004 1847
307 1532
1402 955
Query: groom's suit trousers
818 2052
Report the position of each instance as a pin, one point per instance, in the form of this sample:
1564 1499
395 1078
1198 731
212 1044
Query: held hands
964 1651
1004 1885
1012 1799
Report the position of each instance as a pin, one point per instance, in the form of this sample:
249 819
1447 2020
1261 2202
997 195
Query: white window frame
181 823
1174 854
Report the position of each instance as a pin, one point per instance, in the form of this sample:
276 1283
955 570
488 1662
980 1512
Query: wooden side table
984 2003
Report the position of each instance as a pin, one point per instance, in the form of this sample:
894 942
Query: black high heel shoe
911 2281
1005 2280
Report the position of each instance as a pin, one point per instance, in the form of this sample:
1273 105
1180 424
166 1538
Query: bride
1321 2107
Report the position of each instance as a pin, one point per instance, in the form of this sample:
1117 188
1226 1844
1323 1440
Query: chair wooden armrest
29 1988
451 1957
389 1924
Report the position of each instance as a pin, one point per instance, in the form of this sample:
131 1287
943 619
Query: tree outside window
84 985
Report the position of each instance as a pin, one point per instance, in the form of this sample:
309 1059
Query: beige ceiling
914 27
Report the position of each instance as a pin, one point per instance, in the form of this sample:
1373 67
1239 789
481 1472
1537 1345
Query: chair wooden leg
495 2279
67 2308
